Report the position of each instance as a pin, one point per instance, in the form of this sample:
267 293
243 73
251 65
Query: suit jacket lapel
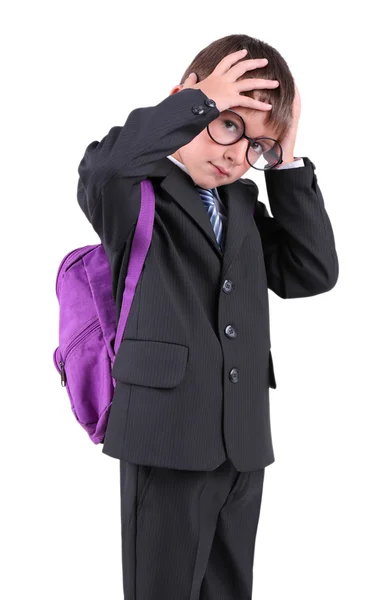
238 202
240 205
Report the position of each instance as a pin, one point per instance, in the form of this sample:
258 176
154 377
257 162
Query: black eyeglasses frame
262 137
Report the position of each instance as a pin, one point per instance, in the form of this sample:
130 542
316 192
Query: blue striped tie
217 216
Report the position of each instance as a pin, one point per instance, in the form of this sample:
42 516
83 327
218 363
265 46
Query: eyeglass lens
228 128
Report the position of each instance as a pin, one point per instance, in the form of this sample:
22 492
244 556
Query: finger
246 65
190 80
247 102
224 65
256 84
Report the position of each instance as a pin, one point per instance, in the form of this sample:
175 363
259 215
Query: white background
71 72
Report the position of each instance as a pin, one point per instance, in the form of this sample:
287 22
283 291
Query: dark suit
194 368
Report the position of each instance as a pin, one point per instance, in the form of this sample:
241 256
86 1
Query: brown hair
281 98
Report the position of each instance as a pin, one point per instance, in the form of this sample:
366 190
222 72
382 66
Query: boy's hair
281 98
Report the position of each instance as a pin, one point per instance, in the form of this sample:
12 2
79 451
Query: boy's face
202 152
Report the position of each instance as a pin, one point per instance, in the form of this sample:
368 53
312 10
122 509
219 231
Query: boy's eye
257 147
229 124
262 147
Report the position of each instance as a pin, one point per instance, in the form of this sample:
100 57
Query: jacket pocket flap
150 363
272 380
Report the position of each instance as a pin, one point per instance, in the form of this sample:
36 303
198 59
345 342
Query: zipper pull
63 375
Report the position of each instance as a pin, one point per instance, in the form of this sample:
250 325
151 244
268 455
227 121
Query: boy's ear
176 89
180 86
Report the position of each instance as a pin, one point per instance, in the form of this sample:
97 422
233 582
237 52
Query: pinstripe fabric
195 367
181 529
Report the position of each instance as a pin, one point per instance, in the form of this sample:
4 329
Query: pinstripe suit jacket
195 365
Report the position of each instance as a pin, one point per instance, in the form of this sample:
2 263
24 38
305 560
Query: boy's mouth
220 170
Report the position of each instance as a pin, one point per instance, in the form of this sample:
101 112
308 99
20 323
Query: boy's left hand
288 142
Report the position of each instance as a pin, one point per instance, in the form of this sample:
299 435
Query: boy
190 419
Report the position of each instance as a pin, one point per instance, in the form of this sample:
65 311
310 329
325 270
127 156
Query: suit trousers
188 535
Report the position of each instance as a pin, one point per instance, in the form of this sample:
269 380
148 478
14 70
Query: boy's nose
237 152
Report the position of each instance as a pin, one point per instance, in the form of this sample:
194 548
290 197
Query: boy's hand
288 142
222 87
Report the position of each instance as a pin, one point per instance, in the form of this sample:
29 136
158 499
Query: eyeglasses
263 153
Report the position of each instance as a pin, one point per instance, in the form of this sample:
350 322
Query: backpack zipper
74 343
63 375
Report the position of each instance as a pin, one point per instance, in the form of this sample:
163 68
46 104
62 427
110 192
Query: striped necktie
216 211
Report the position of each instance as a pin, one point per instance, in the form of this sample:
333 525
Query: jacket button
233 375
198 110
227 286
210 102
230 331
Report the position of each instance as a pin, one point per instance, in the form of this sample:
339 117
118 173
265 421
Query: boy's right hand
222 87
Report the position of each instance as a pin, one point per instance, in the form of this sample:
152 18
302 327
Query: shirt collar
178 163
184 168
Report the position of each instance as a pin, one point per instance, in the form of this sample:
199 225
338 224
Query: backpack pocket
85 368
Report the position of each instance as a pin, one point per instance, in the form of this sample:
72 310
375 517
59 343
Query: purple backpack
88 336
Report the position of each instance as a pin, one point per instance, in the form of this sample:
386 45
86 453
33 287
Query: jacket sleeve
110 168
298 242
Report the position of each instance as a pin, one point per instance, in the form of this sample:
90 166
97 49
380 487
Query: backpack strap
139 249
